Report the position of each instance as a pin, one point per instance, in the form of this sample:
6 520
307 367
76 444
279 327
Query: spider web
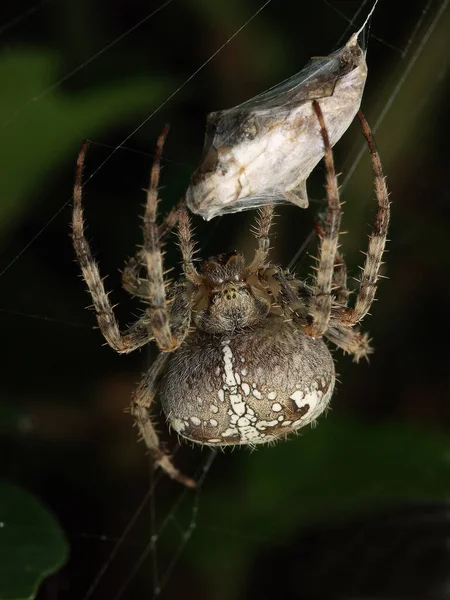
153 534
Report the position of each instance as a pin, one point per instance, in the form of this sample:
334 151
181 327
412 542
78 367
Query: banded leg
350 340
143 399
294 296
132 281
377 240
293 299
261 230
339 287
171 219
187 247
158 310
320 306
138 334
340 290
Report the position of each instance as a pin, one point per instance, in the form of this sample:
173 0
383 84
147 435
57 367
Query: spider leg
143 399
136 285
187 247
264 222
340 290
158 310
339 282
294 297
350 340
320 305
132 281
139 333
377 240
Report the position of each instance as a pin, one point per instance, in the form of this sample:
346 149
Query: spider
242 356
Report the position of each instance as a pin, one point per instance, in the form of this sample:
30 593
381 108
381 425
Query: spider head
224 268
226 300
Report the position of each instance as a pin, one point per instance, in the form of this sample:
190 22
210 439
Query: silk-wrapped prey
263 150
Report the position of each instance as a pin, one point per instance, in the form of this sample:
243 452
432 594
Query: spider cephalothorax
242 360
226 300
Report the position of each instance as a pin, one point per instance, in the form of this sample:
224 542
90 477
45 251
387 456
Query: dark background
353 509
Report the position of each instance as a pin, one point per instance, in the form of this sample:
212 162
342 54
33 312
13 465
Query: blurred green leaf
45 126
32 545
337 469
13 418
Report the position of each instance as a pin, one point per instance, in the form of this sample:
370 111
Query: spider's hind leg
143 399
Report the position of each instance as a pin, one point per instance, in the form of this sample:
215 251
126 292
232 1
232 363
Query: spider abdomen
248 388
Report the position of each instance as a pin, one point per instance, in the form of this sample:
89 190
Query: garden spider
242 359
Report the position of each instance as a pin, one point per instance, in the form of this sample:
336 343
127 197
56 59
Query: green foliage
42 125
32 545
341 468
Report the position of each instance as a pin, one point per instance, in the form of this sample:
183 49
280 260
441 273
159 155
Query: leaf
338 469
13 418
41 126
32 545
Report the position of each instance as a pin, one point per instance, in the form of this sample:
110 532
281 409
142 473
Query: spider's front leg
138 334
321 301
349 339
377 240
158 309
340 290
167 336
